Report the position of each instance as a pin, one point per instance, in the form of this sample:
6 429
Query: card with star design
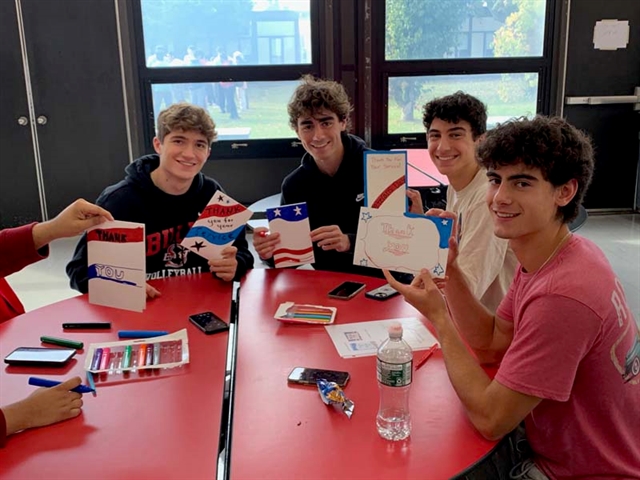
217 226
402 242
292 223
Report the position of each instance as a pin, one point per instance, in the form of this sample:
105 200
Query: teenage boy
330 178
456 124
167 191
563 330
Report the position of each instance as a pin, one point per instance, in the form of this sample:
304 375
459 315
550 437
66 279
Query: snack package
332 394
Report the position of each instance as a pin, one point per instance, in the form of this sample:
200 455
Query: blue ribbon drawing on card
213 237
111 273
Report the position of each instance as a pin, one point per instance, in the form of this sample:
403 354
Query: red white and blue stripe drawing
292 223
217 226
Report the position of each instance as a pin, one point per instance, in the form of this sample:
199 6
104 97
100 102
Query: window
239 59
496 50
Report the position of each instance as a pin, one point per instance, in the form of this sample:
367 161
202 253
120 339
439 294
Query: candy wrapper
332 394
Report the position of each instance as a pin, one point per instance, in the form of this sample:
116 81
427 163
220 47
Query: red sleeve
18 250
3 429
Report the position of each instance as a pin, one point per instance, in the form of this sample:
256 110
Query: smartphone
209 322
309 376
382 293
40 357
346 290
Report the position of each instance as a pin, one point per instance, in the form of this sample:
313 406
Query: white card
292 223
402 242
117 265
217 226
385 183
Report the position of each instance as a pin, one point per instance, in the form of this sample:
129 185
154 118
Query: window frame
384 69
227 149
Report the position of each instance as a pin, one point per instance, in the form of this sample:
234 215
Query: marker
426 356
43 382
149 360
141 333
63 342
91 382
126 359
106 353
88 326
142 354
156 354
97 358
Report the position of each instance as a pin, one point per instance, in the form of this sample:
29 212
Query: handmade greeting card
402 242
292 223
217 226
117 265
385 182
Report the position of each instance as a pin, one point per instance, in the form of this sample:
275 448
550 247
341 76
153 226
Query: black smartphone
382 293
40 357
346 290
309 376
209 322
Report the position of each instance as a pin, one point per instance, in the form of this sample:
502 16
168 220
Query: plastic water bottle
394 368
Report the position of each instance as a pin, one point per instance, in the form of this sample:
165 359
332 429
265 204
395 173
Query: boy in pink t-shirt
568 345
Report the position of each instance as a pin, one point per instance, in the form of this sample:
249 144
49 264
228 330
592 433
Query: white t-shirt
486 261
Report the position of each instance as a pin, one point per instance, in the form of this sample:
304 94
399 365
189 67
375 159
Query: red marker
104 361
142 354
426 356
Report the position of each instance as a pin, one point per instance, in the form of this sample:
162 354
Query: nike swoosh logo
359 197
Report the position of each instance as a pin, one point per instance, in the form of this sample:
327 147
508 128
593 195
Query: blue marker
43 382
141 333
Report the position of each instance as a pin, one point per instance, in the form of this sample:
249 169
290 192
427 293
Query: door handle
606 100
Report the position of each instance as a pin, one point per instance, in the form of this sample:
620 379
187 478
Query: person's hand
416 201
423 294
152 292
72 221
44 407
264 242
438 212
331 238
225 268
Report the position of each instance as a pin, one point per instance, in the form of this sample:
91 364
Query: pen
149 359
63 342
88 326
43 382
97 358
141 333
92 384
426 356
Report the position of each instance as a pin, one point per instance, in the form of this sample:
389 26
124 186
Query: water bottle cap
395 330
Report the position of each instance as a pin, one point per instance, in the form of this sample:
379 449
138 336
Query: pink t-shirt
574 345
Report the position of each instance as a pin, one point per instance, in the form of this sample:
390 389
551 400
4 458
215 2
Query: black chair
579 220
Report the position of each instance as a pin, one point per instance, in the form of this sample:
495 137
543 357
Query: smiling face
182 156
523 204
453 151
320 136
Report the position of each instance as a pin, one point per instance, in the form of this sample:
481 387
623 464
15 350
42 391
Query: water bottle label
394 374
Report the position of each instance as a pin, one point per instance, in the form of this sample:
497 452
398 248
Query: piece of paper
217 226
363 339
292 223
611 34
117 265
402 242
304 313
385 183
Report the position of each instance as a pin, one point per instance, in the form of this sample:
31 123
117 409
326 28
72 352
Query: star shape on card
198 245
364 262
220 198
298 210
366 216
438 270
277 212
445 221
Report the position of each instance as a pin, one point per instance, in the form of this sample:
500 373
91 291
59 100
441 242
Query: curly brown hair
558 149
186 117
456 107
314 94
